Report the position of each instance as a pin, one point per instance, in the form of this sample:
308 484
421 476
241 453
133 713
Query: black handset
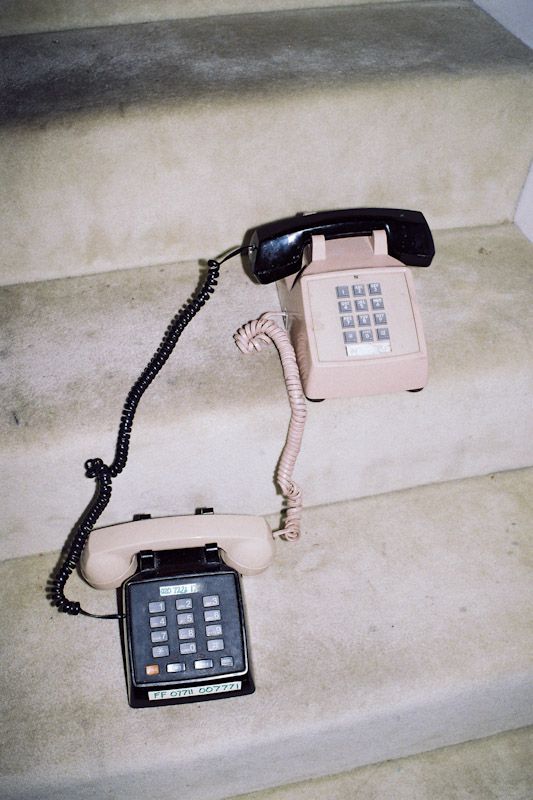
278 247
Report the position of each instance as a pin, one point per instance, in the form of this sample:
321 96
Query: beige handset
110 555
353 319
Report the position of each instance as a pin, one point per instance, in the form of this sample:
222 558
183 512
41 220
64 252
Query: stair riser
114 191
31 16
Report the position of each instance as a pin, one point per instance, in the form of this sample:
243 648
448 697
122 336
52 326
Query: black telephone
353 328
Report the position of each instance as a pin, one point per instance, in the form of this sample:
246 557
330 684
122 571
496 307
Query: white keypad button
203 663
211 600
186 633
178 667
215 644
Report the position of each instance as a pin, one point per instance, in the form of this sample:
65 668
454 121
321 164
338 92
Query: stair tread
397 624
217 58
498 767
75 346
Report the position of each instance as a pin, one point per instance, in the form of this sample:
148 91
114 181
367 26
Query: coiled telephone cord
251 338
104 474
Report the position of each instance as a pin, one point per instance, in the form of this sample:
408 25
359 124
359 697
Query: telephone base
184 635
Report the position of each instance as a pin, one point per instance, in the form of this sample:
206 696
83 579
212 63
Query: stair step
498 767
71 14
210 430
144 144
397 624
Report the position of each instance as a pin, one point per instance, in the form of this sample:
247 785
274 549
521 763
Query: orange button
152 669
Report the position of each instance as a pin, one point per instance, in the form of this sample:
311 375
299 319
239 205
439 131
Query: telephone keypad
206 635
370 325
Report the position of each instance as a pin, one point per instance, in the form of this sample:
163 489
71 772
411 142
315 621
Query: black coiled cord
104 474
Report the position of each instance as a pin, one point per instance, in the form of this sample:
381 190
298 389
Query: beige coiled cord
251 338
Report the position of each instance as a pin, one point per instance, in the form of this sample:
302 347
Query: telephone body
183 624
349 297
